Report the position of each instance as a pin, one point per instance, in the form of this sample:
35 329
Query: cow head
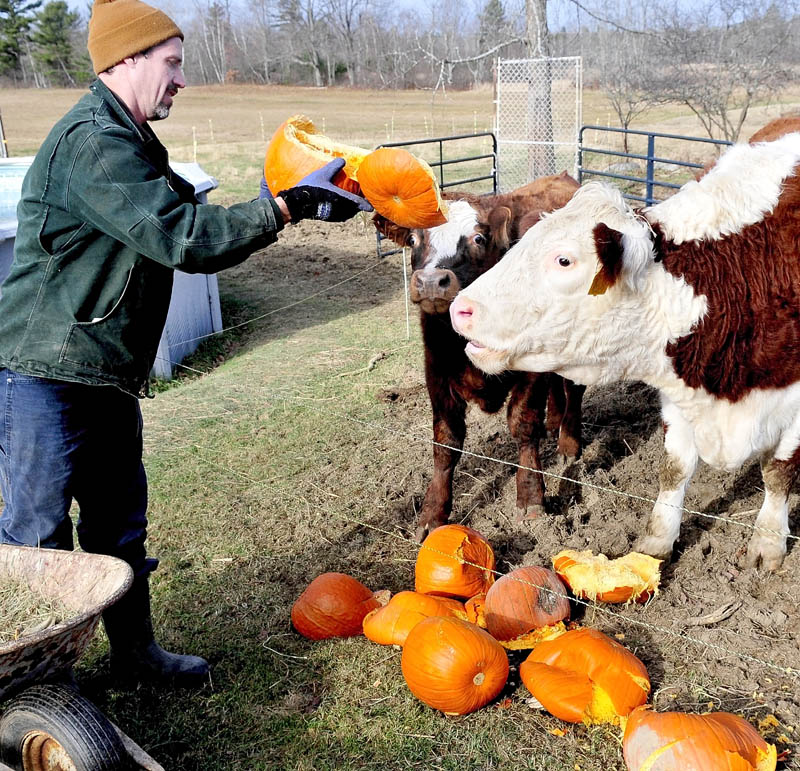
449 257
538 308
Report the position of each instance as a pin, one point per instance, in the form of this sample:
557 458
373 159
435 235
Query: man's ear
391 230
608 244
500 226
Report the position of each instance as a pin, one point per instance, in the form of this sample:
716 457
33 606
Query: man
103 223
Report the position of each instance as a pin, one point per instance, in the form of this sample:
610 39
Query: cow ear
391 230
500 226
608 243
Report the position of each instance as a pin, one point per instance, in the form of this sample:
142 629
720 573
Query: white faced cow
698 296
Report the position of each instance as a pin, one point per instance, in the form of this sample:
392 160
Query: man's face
159 75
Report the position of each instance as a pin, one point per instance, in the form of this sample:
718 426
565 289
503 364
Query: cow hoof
653 546
766 554
534 511
421 533
569 449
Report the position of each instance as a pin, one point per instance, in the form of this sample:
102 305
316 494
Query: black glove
316 197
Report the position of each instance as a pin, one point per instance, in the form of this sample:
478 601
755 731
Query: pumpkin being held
332 605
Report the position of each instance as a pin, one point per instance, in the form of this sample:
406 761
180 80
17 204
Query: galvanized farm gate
538 113
643 172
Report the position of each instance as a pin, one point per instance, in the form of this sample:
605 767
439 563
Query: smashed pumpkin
526 606
718 741
390 624
452 665
402 188
584 676
454 561
632 578
332 605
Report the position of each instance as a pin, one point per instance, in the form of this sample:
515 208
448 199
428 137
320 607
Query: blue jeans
61 441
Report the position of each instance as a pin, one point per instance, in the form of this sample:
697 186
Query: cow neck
750 333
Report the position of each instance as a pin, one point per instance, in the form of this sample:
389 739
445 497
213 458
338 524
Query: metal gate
537 118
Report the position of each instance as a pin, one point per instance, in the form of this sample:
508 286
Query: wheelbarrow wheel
53 727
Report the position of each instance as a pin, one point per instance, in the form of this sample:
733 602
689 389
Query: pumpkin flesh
452 665
718 741
631 578
297 148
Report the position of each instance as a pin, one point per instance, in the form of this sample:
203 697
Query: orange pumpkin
454 561
718 741
525 606
452 665
332 605
476 610
297 148
632 578
584 676
391 624
402 188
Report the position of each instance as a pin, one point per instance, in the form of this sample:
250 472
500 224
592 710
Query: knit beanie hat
122 28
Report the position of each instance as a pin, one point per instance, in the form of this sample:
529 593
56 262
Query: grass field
304 447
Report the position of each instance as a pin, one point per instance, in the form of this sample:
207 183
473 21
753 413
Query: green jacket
103 222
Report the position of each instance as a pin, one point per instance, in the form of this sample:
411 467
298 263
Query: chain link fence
537 118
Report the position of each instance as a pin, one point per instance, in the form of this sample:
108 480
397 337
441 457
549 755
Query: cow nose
461 314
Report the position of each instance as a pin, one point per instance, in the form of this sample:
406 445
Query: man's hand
316 197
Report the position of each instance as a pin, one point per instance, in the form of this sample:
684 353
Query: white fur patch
740 190
443 239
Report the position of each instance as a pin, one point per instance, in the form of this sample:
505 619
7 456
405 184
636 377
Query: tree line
717 57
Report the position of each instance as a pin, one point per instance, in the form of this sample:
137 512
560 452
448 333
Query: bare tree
723 59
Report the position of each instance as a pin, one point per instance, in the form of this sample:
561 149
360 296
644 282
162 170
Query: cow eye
563 261
413 239
479 239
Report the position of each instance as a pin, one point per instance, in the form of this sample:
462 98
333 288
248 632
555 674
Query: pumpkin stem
479 678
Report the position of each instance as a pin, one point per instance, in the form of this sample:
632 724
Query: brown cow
445 259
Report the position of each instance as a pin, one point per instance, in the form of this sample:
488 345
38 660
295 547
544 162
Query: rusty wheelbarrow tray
50 726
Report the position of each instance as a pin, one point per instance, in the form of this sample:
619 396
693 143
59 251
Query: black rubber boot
135 655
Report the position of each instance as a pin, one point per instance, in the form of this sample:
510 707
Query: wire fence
291 396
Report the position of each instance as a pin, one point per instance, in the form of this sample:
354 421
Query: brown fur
451 378
750 337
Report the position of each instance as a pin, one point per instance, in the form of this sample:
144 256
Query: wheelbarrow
45 724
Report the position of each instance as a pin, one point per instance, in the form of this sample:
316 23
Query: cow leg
556 405
569 433
449 430
677 469
526 420
768 543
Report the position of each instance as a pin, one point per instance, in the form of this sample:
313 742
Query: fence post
651 151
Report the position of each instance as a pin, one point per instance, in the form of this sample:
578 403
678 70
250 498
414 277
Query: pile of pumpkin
455 629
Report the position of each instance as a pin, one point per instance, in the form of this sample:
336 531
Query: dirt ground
717 636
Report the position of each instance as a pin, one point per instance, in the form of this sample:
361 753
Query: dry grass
25 611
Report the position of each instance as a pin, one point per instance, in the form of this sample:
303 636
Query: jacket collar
122 114
120 111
